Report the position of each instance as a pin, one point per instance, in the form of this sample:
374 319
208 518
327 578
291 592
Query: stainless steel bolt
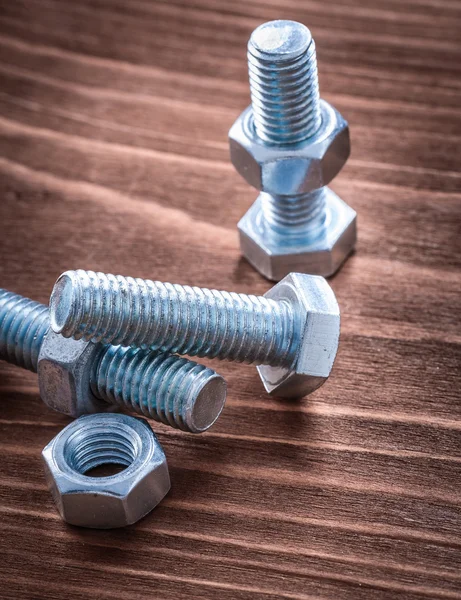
80 377
289 144
292 332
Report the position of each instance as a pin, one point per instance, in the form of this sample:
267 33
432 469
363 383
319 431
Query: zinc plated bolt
290 144
292 332
80 377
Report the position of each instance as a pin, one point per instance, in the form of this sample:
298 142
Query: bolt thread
294 216
173 318
169 389
284 85
23 326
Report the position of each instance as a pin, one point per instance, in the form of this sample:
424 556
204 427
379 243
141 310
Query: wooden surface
113 156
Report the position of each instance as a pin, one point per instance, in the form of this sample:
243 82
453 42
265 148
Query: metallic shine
113 501
78 377
318 315
321 252
289 144
272 330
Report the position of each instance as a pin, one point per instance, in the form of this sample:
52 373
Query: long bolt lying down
292 332
78 377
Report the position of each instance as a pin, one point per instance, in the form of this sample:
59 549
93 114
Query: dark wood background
113 156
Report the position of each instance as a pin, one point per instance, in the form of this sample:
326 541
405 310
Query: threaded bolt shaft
170 389
23 325
284 85
174 318
292 217
164 387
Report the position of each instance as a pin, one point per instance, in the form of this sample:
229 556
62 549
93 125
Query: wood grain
113 156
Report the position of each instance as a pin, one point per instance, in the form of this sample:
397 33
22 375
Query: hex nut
64 371
275 256
106 502
291 169
318 325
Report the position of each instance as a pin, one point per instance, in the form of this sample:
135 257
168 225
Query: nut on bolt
106 502
285 170
64 372
289 144
78 377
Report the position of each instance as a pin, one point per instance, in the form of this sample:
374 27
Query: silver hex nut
317 327
64 374
293 169
116 500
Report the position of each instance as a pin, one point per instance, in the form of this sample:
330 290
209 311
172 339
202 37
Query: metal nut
116 500
64 373
293 169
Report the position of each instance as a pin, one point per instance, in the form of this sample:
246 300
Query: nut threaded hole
89 449
106 470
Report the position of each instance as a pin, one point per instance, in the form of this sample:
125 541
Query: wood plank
114 157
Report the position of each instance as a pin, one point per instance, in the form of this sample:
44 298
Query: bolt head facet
317 326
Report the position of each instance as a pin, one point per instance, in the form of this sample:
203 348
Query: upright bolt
292 331
79 377
289 144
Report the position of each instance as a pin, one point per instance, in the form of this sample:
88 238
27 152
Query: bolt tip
207 404
280 40
62 302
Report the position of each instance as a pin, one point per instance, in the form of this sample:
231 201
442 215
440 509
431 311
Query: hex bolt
292 332
290 144
80 377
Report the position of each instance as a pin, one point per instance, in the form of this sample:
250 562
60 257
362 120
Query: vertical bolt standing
285 100
289 144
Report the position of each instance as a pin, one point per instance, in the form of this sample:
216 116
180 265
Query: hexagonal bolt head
321 254
318 326
113 501
64 371
291 169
